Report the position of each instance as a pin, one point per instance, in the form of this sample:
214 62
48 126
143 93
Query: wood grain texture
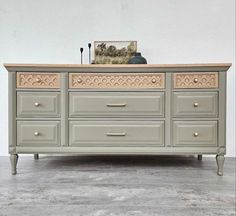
9 65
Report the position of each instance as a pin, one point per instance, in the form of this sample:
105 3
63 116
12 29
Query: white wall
167 31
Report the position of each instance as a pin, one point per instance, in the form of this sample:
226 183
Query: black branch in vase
81 55
89 46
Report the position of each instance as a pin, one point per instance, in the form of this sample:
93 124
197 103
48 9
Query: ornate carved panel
38 80
117 80
196 80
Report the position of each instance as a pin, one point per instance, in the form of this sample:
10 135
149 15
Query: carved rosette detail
117 80
38 80
196 80
221 151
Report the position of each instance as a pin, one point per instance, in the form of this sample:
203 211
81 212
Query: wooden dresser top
106 67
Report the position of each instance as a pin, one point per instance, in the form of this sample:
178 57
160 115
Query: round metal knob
195 80
36 133
195 104
79 80
38 80
154 80
36 104
195 134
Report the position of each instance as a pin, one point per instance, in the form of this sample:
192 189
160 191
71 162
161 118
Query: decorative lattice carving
117 80
38 80
196 80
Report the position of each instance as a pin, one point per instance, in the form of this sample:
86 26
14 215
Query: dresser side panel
12 112
222 113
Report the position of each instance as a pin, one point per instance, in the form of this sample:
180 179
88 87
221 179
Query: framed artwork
114 52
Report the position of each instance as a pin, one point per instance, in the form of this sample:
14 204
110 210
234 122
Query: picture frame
114 52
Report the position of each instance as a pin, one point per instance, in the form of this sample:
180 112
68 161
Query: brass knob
79 80
38 80
195 104
36 104
36 133
195 134
154 80
195 80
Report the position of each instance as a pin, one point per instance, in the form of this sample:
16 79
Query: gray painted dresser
117 109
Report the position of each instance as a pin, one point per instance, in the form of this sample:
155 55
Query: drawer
195 133
38 104
116 133
38 133
117 80
116 104
37 80
196 80
202 104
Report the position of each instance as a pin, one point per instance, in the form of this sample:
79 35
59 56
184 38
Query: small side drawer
38 104
116 133
195 133
196 80
117 80
116 104
37 80
38 133
191 104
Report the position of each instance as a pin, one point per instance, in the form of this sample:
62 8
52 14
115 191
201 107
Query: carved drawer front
38 104
117 80
122 133
195 133
38 80
38 133
196 80
191 104
116 104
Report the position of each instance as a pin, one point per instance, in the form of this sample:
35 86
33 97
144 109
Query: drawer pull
79 80
116 105
36 104
195 104
116 134
195 80
38 80
154 80
36 133
195 134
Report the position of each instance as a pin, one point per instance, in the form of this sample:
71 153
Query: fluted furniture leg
220 163
13 159
36 156
199 157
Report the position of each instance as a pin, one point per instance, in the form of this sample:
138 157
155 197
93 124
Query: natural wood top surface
9 65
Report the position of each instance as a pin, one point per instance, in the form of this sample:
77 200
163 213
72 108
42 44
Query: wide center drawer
116 104
202 104
38 104
38 133
116 133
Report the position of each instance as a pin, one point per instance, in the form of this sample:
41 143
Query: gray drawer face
38 133
116 133
115 103
38 104
204 104
195 133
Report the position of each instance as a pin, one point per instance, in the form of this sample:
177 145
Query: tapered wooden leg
220 163
199 157
36 156
13 159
